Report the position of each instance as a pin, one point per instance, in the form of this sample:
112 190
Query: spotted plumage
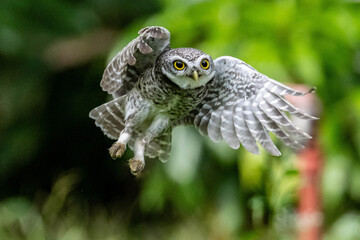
156 88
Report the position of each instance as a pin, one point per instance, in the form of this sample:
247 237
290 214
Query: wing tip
311 90
234 145
215 139
155 31
305 116
275 152
94 114
254 149
301 134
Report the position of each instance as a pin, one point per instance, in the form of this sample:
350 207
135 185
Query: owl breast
166 97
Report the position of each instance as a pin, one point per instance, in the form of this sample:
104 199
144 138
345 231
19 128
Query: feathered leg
137 163
119 147
135 114
156 128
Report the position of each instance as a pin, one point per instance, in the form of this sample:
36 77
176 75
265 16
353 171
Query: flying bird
156 88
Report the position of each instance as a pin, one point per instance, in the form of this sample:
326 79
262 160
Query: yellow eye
179 65
205 64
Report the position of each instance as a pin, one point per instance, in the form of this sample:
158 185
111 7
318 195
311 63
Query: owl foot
136 165
117 150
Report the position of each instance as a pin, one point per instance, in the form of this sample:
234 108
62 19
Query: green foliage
57 181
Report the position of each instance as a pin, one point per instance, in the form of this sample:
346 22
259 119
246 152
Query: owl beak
195 76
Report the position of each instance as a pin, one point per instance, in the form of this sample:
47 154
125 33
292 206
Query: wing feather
136 57
242 131
243 106
203 114
279 117
203 124
109 117
272 126
214 125
227 127
257 129
281 104
279 88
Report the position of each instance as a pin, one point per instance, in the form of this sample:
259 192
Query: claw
117 150
136 166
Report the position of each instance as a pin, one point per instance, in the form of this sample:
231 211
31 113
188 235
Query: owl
156 88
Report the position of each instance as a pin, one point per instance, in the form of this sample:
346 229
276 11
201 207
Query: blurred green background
57 180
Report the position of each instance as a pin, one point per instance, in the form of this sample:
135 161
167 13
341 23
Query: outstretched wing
125 68
243 105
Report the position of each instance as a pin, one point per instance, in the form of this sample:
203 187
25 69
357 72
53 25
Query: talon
136 166
117 150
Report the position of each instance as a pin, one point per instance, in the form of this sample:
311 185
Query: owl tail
159 147
110 117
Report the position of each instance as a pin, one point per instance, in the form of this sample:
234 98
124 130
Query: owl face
187 67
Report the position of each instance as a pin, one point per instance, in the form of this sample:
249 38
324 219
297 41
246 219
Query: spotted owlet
156 88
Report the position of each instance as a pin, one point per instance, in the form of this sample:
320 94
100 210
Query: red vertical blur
309 215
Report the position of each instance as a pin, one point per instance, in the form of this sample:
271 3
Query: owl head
187 67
